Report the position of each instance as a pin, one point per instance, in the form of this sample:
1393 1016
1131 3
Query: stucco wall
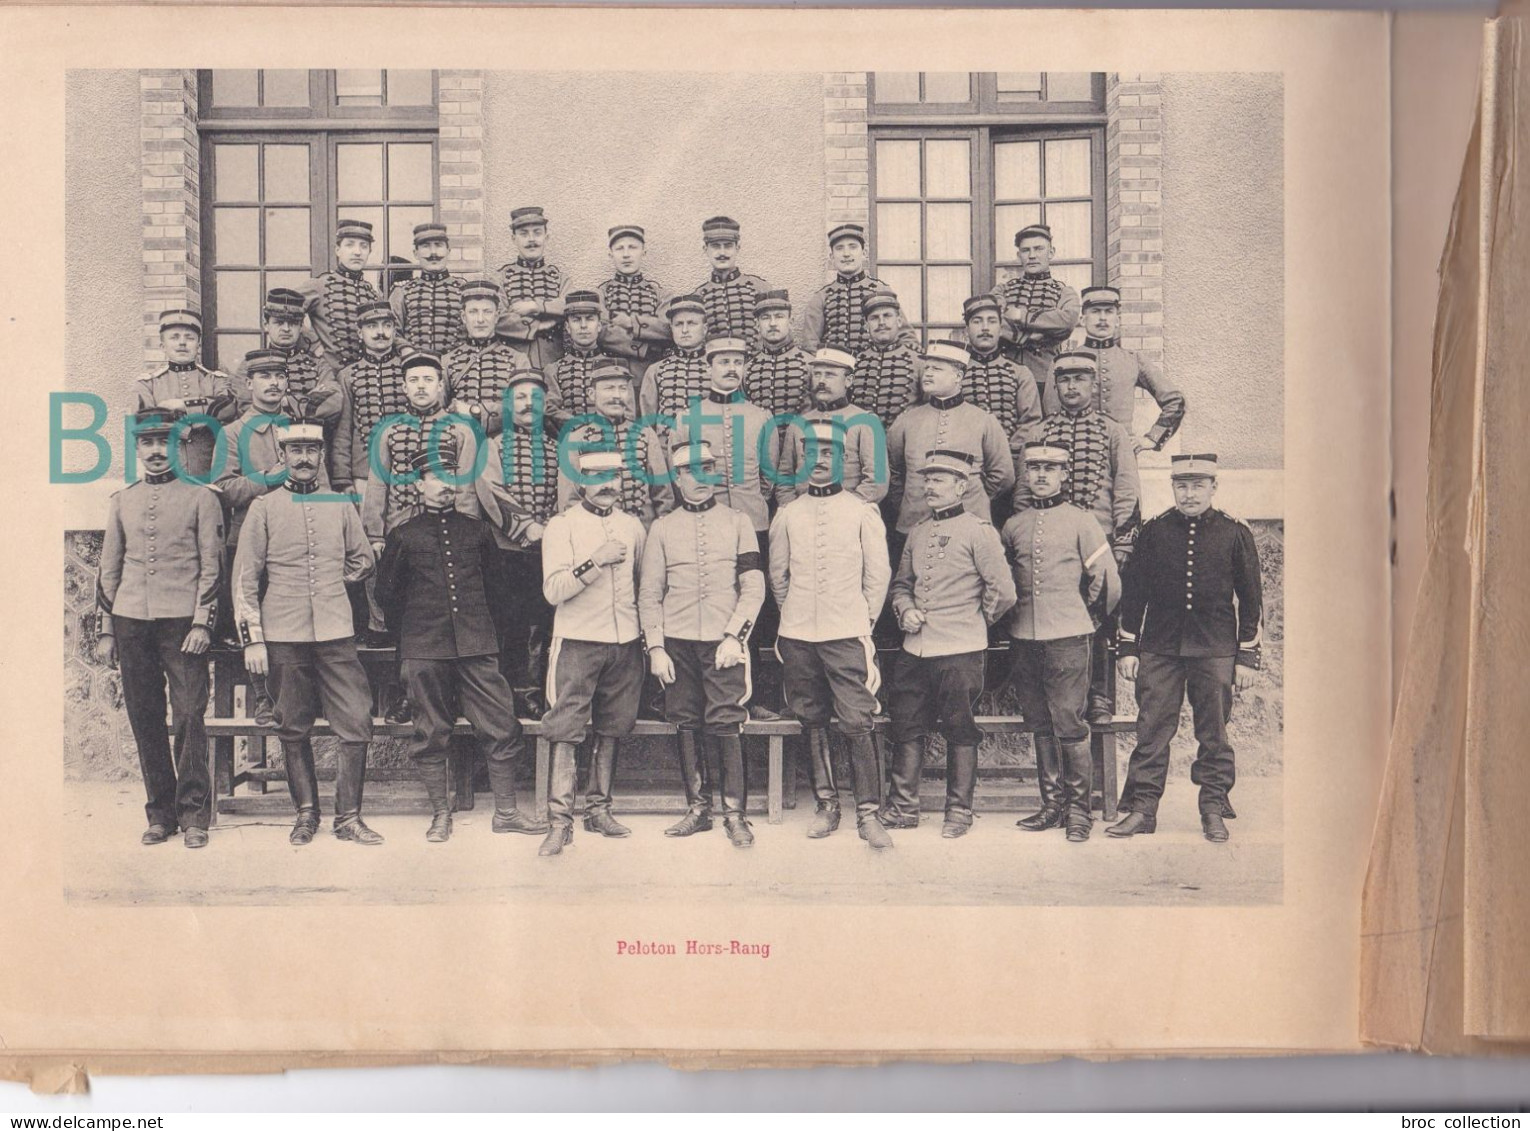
674 149
1223 261
102 243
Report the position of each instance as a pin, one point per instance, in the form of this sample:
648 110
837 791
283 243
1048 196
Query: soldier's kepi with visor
1040 311
478 369
429 305
187 386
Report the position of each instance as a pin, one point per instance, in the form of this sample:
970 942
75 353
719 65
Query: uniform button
151 571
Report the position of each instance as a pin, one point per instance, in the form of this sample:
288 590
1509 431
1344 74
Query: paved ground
250 862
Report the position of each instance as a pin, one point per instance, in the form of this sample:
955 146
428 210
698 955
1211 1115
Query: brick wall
171 160
1134 206
461 161
847 197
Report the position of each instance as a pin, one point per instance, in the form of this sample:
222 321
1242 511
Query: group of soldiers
552 500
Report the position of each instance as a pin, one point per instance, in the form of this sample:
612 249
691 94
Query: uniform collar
825 491
182 366
725 276
441 511
629 280
1047 274
782 350
690 351
160 477
254 411
347 273
436 276
705 505
848 280
717 396
530 264
832 406
379 358
983 358
1049 502
944 403
1087 410
1100 343
1202 517
886 347
598 512
948 512
482 343
297 488
582 352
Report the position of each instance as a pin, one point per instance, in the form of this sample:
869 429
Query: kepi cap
581 302
721 343
438 454
682 303
1076 361
180 316
1047 451
526 217
1200 466
952 353
879 298
981 302
424 233
481 288
841 231
155 421
616 233
719 228
375 311
353 230
303 428
285 302
1030 231
947 460
265 361
1101 296
694 452
773 300
839 359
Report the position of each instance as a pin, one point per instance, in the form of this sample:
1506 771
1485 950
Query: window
285 154
952 182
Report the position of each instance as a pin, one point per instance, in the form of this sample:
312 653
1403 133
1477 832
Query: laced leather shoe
1047 817
825 821
355 830
873 832
304 828
197 838
693 822
514 821
557 837
1134 824
956 825
1078 829
440 830
157 834
1214 827
601 821
739 832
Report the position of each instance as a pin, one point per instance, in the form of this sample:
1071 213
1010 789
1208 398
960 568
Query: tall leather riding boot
350 779
698 799
303 785
1078 783
507 818
961 780
902 808
1049 782
866 770
560 800
437 778
597 798
825 789
735 787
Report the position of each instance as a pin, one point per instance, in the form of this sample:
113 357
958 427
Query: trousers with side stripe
703 696
837 678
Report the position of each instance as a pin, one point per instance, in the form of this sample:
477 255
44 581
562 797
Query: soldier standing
188 387
533 291
519 494
478 369
436 584
333 301
635 327
994 382
568 378
671 385
591 555
1066 583
886 376
701 589
295 558
776 378
834 315
429 305
1039 311
372 389
641 476
728 294
865 466
1122 372
829 573
1204 651
952 583
157 596
307 366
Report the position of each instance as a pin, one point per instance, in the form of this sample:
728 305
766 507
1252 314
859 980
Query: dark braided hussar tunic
477 373
1052 310
429 310
1006 389
536 334
331 302
729 298
833 317
519 485
886 380
1121 372
642 454
568 384
371 388
672 384
388 505
643 298
777 380
1102 476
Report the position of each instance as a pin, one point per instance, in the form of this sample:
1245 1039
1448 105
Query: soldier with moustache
295 558
308 368
886 375
1040 311
157 598
776 377
568 378
995 382
334 300
532 290
641 476
1121 372
436 582
1066 584
372 389
479 368
1103 480
591 555
429 305
728 294
701 588
952 583
1198 638
669 387
865 460
633 303
204 396
829 574
518 492
835 314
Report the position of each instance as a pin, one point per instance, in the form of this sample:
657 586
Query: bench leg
773 786
544 771
212 782
1110 792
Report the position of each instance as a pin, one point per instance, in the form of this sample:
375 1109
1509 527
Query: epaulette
1161 514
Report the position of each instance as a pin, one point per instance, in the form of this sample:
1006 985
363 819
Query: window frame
321 105
985 103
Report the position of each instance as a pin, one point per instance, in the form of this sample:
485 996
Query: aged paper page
1267 136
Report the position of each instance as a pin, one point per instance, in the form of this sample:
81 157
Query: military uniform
834 315
777 378
158 578
946 423
478 371
568 382
1001 385
953 571
886 379
669 386
1051 309
429 305
595 669
294 560
436 583
642 474
309 371
1066 583
865 447
538 336
372 389
333 303
1189 636
744 477
702 581
644 299
388 505
729 296
829 574
191 388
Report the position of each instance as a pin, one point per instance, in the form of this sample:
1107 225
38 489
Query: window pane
286 88
1070 86
358 88
1017 170
949 288
947 167
373 216
1076 275
401 222
948 231
897 231
287 239
236 235
234 172
231 349
897 86
905 283
410 172
1020 85
1072 229
897 168
287 173
292 280
234 88
1009 219
410 88
239 300
358 172
947 86
1068 167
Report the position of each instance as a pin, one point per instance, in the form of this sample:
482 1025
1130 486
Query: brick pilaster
1134 206
461 161
170 161
847 154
